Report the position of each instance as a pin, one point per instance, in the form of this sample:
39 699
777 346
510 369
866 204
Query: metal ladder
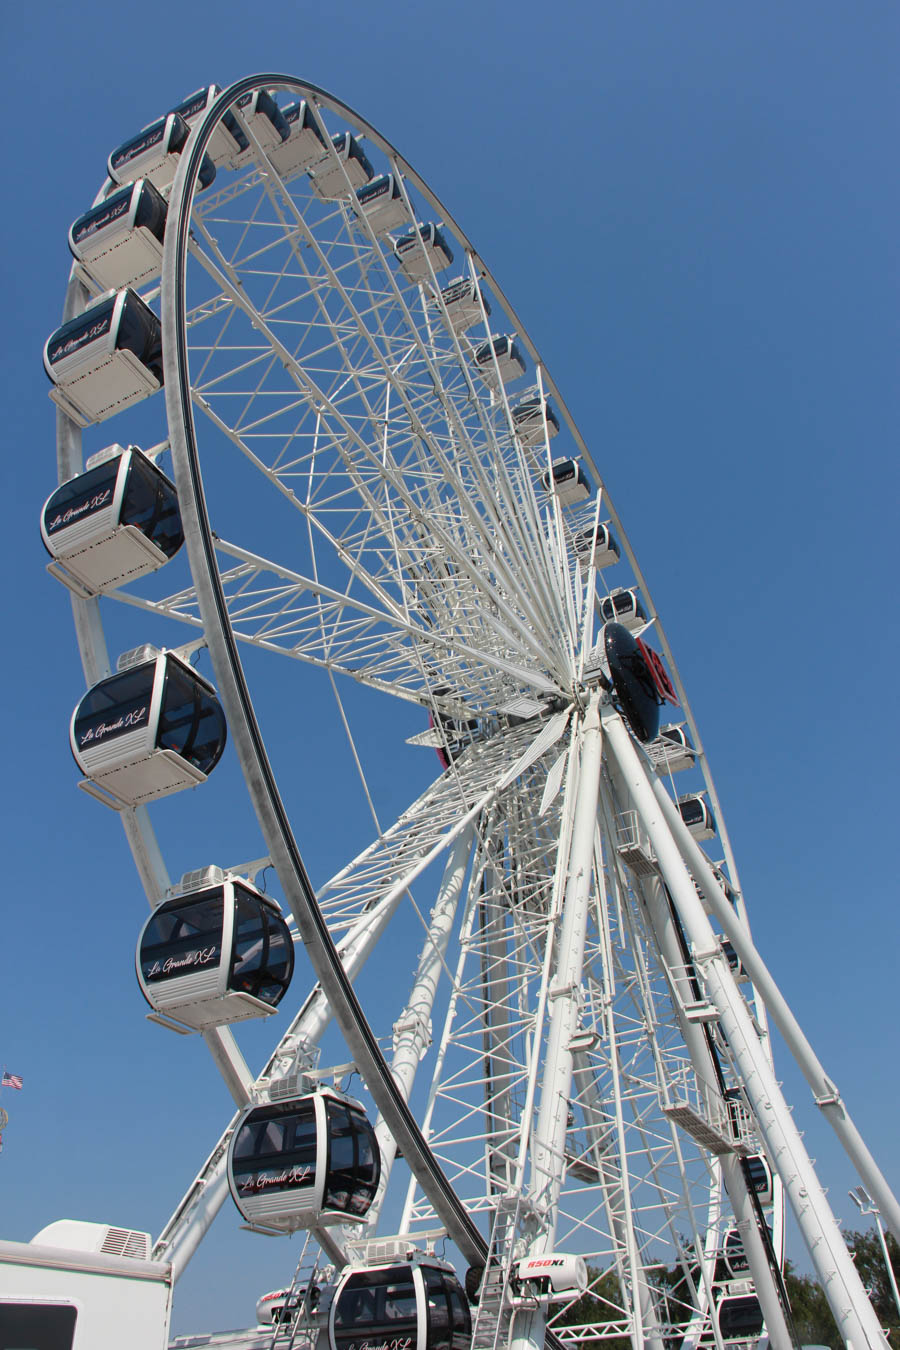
297 1328
492 1318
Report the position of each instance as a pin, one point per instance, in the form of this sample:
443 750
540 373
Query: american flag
13 1080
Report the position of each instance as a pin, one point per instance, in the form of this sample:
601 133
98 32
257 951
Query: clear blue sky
694 209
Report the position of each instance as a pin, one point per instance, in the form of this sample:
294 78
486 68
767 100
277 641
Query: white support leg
834 1266
565 997
662 925
412 1030
825 1094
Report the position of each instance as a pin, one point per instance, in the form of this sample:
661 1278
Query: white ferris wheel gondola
154 153
416 1305
303 1159
422 251
153 728
105 360
119 242
215 955
113 523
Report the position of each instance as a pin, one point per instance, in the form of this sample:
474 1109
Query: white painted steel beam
833 1264
825 1093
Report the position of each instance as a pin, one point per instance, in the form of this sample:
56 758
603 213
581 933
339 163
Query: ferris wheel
374 476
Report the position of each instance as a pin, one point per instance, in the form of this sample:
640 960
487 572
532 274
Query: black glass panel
756 1170
152 210
37 1326
677 735
139 331
151 504
115 706
183 936
191 721
735 1255
692 811
263 954
460 1317
82 496
275 1149
437 1311
353 1161
632 682
740 1317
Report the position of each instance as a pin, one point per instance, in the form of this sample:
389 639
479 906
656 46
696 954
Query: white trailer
84 1286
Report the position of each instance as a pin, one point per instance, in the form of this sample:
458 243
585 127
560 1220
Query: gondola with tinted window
759 1177
623 606
215 955
602 551
116 521
228 139
154 153
697 815
303 1159
120 242
304 143
565 478
529 418
411 1305
423 245
344 170
265 121
740 1318
463 300
735 965
107 359
381 203
153 728
456 735
672 751
734 1264
499 356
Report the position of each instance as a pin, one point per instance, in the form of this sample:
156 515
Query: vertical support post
846 1296
496 1034
412 1028
565 996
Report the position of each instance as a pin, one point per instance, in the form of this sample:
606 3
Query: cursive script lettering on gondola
201 957
291 1176
139 146
126 722
66 517
391 1343
95 330
112 213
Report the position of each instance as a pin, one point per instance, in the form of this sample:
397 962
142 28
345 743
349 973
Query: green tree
598 1307
869 1260
812 1316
